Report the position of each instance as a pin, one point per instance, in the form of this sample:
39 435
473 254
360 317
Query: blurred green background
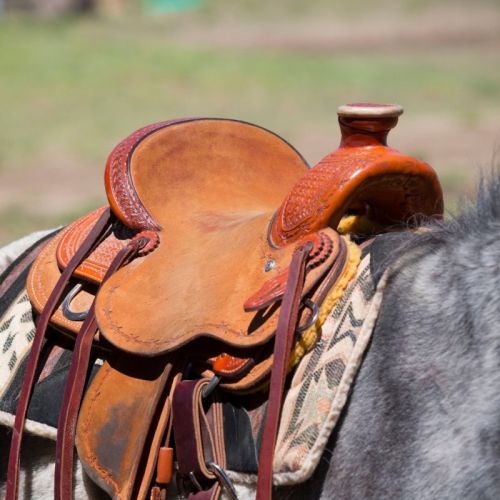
77 76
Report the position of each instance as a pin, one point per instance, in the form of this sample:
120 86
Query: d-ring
312 318
66 305
224 481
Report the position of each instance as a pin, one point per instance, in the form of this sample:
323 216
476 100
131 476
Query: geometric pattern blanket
318 391
322 381
17 330
16 322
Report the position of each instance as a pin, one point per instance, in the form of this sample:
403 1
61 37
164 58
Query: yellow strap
358 224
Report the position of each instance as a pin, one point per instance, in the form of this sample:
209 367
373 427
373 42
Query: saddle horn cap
361 123
369 111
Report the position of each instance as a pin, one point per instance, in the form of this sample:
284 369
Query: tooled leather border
120 189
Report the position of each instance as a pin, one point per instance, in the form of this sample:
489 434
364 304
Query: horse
422 416
422 419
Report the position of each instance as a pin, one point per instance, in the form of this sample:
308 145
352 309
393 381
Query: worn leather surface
212 186
47 272
118 417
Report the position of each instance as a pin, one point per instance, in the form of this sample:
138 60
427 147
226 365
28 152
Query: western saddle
216 251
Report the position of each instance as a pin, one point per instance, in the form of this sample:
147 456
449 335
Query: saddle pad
321 383
17 330
16 322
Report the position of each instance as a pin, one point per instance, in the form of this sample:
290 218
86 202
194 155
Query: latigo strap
287 324
76 380
33 361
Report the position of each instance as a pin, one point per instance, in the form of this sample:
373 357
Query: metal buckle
224 481
313 307
66 305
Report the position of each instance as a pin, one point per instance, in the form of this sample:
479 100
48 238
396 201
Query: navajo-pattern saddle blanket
17 330
317 393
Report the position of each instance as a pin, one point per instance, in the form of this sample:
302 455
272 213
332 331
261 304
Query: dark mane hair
425 404
476 225
476 217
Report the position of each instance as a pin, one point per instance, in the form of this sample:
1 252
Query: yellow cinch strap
308 338
358 224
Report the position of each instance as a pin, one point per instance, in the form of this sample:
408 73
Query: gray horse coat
423 417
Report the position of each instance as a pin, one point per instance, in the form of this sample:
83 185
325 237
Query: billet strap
31 368
193 440
285 331
66 427
199 440
159 466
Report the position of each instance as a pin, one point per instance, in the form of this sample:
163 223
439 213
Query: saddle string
165 458
285 331
73 390
88 244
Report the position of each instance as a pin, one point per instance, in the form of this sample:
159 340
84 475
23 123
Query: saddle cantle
218 244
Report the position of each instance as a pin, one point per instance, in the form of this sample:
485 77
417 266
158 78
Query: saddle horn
363 174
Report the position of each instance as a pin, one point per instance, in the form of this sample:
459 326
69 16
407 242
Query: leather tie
73 391
285 331
31 367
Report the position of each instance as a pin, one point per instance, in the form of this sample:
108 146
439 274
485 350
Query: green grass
78 86
18 220
71 89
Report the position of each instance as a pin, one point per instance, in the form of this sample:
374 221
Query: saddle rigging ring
66 305
313 307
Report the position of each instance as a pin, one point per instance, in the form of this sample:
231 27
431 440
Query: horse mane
424 407
465 234
477 217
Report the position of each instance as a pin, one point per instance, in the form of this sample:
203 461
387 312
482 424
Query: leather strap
32 365
199 438
66 426
193 440
285 331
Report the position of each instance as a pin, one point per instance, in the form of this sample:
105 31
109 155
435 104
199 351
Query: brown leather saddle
217 251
